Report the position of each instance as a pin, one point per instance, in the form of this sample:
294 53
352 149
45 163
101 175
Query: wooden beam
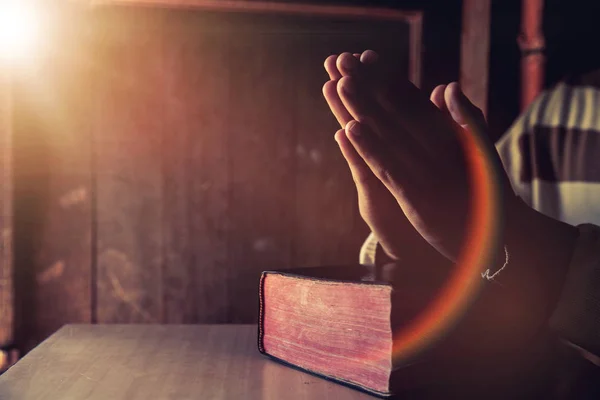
6 214
415 55
246 6
532 44
413 18
475 51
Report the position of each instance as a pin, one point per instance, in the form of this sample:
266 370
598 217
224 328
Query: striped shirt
552 156
552 152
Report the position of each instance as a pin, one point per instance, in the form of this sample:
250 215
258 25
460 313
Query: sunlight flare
19 29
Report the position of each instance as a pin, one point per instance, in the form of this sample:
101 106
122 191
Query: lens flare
482 240
18 29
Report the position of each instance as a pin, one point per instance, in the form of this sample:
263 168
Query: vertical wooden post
6 214
531 41
475 51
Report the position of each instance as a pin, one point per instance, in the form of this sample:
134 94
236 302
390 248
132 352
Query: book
339 323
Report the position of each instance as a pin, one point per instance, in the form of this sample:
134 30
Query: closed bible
339 323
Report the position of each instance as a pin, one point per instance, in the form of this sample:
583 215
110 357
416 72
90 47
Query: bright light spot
18 29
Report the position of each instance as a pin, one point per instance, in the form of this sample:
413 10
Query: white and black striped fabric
552 156
552 152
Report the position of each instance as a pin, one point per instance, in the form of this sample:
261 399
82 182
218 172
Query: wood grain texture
532 44
262 139
475 51
268 7
52 186
441 42
6 211
251 179
179 274
159 362
326 207
196 172
173 156
128 135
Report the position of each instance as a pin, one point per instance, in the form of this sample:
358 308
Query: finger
412 109
335 104
360 104
461 109
369 57
331 68
401 98
356 55
376 155
377 205
347 64
437 97
361 173
368 185
471 118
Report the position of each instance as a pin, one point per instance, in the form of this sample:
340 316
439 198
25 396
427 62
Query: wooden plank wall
475 51
6 212
166 158
53 197
127 141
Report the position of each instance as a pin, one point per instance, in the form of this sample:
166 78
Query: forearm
577 314
520 300
541 249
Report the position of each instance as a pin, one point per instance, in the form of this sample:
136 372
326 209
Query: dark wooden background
6 246
160 160
163 159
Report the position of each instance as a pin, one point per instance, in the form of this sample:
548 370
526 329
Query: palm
416 151
378 207
410 217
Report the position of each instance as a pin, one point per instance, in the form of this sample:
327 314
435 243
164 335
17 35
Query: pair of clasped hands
405 154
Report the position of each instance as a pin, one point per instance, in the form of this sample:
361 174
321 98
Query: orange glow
482 235
19 29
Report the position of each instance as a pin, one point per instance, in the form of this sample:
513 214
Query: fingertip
339 135
345 86
330 61
369 57
453 90
437 97
353 128
346 63
454 94
331 68
329 88
464 111
452 98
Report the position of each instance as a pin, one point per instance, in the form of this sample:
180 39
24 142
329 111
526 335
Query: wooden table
174 362
179 362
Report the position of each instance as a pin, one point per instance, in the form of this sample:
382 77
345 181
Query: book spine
261 312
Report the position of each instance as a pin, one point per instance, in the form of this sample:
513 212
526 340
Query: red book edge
261 347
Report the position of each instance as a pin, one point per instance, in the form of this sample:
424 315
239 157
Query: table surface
173 362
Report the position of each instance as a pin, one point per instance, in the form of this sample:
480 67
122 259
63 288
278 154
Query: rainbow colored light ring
483 233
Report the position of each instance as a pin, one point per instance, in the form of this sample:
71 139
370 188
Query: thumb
463 112
471 118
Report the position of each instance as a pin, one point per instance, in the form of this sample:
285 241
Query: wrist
527 290
539 244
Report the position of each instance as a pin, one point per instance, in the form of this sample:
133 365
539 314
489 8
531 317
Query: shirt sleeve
368 251
576 317
514 157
